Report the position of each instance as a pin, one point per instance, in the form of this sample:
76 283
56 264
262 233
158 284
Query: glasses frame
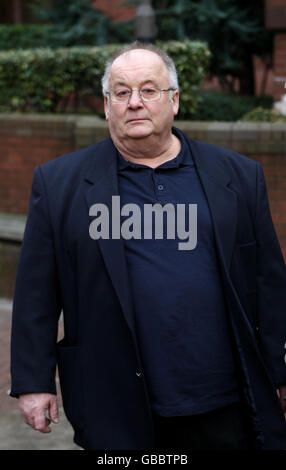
141 97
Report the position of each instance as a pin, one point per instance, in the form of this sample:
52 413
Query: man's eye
149 91
121 93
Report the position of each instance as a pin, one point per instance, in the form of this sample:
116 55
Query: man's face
139 119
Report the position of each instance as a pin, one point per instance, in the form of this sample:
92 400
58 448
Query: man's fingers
38 410
54 411
281 391
41 423
38 423
28 420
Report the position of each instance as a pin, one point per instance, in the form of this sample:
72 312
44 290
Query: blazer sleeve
37 305
271 288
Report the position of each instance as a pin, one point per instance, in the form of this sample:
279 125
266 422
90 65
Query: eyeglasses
123 95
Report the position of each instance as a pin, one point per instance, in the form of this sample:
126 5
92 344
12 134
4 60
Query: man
173 339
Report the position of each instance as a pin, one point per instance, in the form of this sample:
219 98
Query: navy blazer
61 268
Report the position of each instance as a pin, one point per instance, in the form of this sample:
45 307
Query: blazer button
139 374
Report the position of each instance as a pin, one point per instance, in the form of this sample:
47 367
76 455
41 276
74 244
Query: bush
222 106
39 79
264 115
25 36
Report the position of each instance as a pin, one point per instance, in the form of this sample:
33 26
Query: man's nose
135 99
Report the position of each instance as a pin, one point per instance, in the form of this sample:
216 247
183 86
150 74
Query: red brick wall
27 141
274 168
275 3
279 65
275 20
19 157
115 10
275 14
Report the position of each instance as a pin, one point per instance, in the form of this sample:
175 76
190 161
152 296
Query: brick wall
24 144
275 14
275 20
279 66
114 9
27 141
9 256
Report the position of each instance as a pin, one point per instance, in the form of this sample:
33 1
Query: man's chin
139 131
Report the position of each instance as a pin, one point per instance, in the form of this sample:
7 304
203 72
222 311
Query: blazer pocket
248 264
70 382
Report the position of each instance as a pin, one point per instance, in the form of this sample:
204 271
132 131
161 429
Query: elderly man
161 252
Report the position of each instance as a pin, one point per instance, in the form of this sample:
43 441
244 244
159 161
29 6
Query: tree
78 23
233 30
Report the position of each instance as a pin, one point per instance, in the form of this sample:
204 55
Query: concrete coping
83 130
80 121
12 227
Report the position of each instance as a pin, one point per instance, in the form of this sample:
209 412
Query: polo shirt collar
184 158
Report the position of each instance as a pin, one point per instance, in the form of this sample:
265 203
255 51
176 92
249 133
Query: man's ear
106 107
175 101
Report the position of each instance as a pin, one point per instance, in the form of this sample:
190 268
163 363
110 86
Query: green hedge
260 114
39 79
222 106
25 36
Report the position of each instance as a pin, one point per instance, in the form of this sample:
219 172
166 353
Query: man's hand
281 391
38 410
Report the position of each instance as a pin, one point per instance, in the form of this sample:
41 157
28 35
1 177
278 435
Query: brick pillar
115 9
17 12
279 65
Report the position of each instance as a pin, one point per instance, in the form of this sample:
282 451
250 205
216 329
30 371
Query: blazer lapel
101 177
221 199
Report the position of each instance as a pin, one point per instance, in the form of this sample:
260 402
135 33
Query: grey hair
169 63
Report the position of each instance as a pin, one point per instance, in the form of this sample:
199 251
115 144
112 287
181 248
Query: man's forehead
137 58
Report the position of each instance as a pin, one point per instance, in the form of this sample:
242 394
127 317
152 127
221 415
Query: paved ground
14 433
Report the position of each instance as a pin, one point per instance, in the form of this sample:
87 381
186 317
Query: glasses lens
150 94
120 95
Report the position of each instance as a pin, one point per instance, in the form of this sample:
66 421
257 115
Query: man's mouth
136 119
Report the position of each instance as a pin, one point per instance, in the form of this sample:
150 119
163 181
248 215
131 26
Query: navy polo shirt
180 313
